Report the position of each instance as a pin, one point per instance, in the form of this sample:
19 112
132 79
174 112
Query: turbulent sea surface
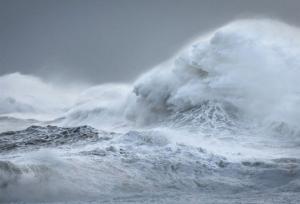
218 123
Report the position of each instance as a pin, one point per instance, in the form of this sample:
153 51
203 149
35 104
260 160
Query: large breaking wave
173 129
252 65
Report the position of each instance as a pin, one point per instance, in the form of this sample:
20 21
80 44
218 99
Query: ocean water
217 123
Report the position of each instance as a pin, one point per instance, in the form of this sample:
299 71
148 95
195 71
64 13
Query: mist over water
217 122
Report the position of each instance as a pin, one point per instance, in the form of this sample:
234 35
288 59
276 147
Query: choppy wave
38 136
139 163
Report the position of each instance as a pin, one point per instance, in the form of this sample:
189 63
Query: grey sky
113 40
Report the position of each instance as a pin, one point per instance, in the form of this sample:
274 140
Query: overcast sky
113 40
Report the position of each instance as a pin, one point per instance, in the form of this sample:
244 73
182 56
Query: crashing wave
26 96
241 64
